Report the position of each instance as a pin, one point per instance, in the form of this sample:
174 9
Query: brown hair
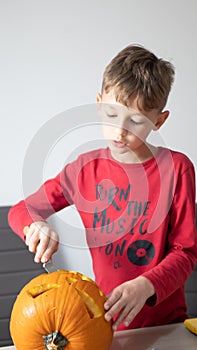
137 72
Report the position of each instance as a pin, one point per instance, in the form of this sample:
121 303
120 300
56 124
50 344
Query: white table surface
169 337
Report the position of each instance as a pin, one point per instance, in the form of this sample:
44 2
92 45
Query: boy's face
126 129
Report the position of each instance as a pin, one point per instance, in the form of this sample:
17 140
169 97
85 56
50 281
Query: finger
51 249
122 315
117 307
31 234
113 298
33 242
28 231
48 245
131 315
41 248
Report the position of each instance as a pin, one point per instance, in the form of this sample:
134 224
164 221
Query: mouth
119 144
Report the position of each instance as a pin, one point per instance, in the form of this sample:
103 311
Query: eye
111 115
136 122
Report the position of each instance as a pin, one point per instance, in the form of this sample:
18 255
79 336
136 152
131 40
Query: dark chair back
16 269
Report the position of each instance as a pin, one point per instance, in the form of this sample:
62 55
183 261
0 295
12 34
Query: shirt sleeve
181 257
54 195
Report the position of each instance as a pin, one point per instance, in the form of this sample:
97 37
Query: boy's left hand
128 299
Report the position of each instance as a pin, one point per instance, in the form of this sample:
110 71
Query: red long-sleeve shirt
139 220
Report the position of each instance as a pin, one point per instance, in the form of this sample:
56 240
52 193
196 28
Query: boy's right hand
42 240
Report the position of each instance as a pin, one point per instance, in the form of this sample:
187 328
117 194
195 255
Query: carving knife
48 266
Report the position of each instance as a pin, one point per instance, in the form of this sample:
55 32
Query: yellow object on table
191 324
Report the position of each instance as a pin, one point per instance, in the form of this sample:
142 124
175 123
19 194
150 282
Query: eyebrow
132 111
111 107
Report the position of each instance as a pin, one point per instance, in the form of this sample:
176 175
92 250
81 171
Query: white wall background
52 56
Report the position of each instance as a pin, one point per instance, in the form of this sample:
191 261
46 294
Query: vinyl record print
141 252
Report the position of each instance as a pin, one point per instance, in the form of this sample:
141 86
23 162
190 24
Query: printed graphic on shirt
117 213
141 252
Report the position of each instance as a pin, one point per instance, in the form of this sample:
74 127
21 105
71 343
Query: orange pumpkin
62 309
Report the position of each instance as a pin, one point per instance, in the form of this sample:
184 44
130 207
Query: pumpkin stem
55 341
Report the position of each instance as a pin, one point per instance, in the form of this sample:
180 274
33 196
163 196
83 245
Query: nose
121 133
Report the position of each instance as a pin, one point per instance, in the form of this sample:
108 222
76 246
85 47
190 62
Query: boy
136 200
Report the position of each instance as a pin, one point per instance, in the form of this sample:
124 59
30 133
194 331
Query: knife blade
48 266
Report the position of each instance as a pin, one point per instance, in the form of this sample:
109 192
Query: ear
98 101
161 120
98 98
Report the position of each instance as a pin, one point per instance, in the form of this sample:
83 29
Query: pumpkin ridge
61 303
71 310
